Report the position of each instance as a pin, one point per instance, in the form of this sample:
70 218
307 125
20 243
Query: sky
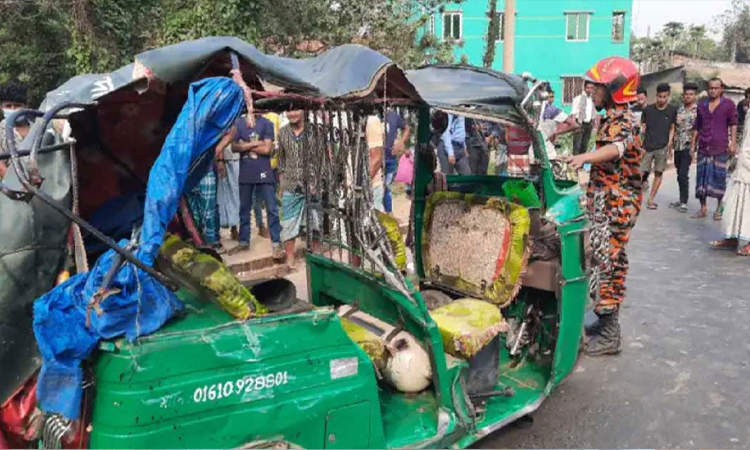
655 13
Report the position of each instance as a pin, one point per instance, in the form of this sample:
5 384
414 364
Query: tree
651 54
671 34
493 29
45 42
735 22
34 43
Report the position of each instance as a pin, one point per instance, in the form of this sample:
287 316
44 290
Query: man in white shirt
585 114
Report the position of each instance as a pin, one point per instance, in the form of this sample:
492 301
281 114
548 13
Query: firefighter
614 192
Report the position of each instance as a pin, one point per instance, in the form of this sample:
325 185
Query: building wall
541 47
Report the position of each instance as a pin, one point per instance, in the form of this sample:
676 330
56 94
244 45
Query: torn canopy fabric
67 325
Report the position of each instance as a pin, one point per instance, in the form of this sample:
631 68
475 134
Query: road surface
682 379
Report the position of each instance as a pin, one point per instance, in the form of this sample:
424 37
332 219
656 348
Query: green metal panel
348 427
332 283
221 385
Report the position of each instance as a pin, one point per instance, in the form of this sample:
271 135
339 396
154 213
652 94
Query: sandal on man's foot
675 205
698 215
652 205
744 251
717 216
724 244
682 208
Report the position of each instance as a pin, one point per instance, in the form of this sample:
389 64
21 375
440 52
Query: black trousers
582 138
479 160
682 162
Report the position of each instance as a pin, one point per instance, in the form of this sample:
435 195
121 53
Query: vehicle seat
467 325
475 245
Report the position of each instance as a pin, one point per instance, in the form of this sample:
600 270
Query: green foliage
45 42
651 53
493 29
105 34
736 37
675 37
33 45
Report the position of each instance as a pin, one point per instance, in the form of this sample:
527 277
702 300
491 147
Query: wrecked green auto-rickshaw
478 336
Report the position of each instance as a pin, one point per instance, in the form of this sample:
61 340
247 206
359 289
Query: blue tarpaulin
66 324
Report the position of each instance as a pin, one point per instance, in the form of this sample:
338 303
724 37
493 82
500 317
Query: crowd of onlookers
259 162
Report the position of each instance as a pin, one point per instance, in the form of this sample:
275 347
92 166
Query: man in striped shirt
298 145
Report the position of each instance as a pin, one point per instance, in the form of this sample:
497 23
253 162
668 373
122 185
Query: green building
556 40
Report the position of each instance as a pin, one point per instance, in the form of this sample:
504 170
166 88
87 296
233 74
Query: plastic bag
405 172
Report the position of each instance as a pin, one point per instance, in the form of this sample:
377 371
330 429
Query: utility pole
509 36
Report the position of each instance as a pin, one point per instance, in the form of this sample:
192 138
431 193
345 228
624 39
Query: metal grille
341 220
572 87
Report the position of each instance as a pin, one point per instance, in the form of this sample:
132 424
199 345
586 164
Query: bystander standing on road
295 139
253 140
375 137
736 221
549 110
585 113
686 114
657 124
519 143
397 132
452 153
479 136
203 199
641 100
743 107
228 192
714 140
12 97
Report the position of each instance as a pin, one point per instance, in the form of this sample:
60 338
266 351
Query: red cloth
518 140
17 424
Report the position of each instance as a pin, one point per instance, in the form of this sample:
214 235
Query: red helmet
619 75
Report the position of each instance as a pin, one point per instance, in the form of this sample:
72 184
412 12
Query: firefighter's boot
606 339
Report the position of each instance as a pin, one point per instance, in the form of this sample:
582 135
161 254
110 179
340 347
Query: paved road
682 379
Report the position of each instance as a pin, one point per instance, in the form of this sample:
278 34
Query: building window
452 26
618 26
572 87
577 26
500 26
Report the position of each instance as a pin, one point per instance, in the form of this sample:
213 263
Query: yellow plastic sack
211 276
367 341
394 238
467 325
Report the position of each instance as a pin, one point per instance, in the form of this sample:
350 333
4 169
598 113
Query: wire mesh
339 191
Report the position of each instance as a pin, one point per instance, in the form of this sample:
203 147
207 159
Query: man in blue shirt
549 110
393 147
452 147
254 143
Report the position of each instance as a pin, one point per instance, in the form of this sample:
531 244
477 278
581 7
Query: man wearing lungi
298 146
715 138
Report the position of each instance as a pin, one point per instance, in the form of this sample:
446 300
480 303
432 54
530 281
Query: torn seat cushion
476 245
368 341
209 277
467 325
